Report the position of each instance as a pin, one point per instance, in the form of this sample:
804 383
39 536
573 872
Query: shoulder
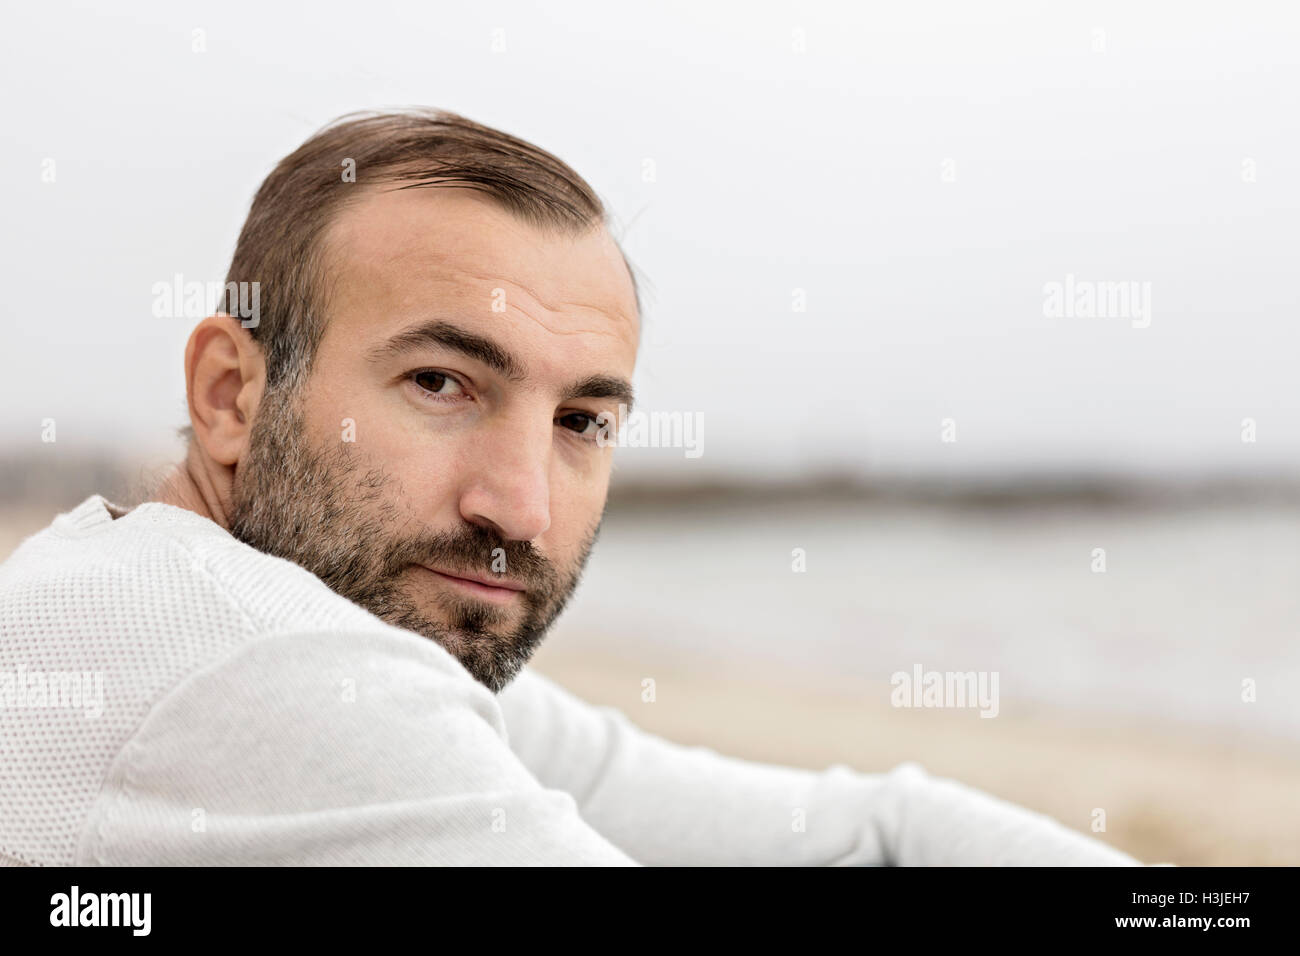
163 567
101 620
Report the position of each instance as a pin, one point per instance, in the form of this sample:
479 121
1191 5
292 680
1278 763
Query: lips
497 588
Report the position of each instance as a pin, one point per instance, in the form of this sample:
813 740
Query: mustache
475 550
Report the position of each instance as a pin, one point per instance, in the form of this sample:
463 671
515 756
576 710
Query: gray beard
326 512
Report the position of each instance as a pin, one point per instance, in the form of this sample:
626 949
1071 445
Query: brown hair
279 246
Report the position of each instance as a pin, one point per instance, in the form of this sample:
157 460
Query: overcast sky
922 172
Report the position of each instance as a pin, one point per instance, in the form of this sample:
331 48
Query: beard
341 519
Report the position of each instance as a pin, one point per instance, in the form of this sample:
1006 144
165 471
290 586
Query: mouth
497 590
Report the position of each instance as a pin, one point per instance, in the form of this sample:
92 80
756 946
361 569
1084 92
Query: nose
507 487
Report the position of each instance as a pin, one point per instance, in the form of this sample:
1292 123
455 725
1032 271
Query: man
312 640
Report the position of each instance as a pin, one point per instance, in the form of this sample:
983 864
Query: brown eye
437 383
582 424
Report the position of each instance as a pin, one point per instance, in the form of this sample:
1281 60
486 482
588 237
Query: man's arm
371 748
664 803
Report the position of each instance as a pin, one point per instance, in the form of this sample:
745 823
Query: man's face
439 465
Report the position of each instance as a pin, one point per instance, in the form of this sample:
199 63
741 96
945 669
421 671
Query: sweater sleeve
668 804
355 748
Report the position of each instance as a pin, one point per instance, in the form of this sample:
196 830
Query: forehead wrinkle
564 332
499 280
470 265
513 305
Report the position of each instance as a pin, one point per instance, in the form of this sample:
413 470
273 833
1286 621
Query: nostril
488 524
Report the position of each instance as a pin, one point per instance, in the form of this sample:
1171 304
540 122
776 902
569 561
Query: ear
224 378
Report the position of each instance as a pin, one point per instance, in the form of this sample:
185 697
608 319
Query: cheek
577 503
423 476
334 414
418 470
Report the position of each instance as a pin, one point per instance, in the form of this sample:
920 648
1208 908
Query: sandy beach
1171 794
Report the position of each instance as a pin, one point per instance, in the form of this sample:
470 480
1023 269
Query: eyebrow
439 334
600 386
446 335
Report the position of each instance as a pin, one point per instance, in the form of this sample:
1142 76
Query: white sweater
169 695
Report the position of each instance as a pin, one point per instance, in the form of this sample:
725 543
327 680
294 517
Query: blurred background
848 221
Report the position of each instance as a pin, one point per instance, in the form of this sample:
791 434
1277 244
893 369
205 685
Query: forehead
396 255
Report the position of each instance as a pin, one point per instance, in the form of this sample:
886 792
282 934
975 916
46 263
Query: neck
192 485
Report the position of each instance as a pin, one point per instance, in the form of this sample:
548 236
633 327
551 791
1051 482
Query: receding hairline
327 248
280 246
